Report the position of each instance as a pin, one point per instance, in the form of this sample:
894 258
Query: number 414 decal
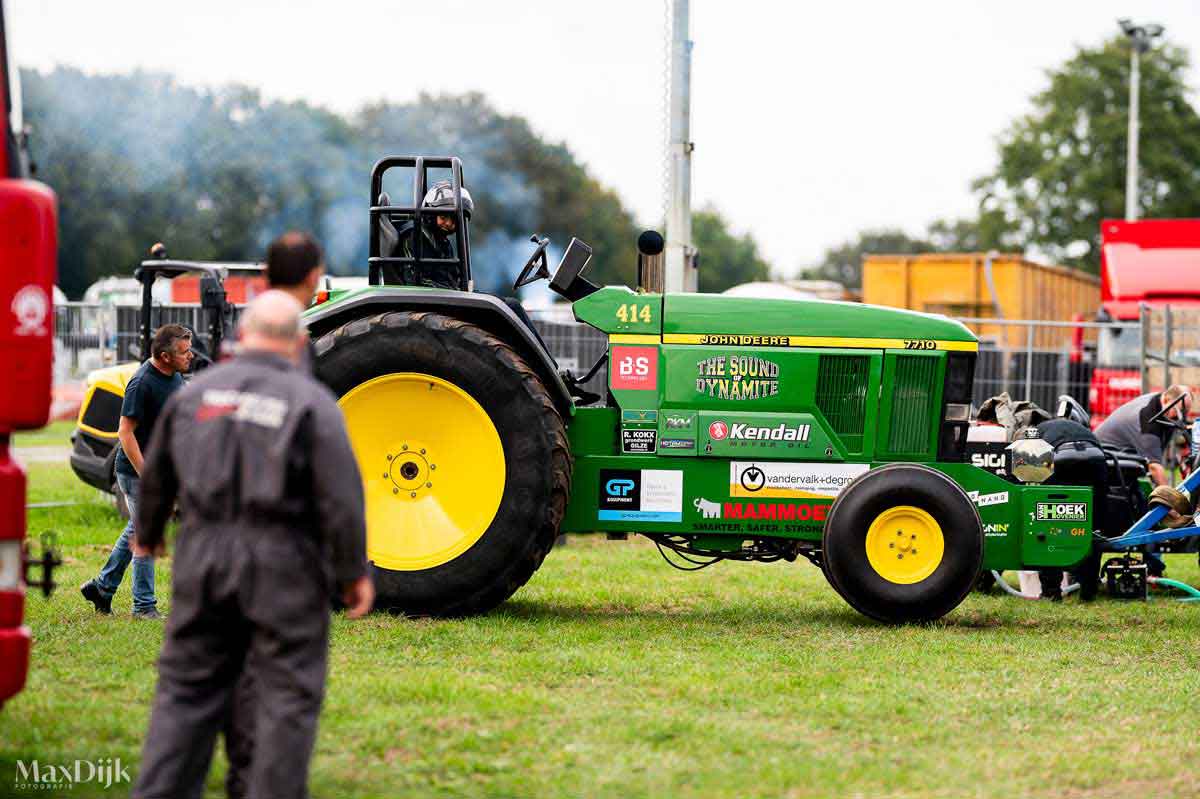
633 312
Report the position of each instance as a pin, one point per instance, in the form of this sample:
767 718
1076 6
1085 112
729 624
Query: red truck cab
28 253
1151 261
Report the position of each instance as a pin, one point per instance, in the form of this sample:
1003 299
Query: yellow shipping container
974 285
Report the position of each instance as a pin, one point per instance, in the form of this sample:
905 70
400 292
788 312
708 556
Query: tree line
1060 167
216 174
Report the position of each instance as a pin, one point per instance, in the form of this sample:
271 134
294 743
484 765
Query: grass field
613 675
55 434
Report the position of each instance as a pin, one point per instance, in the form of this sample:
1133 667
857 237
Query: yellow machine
979 285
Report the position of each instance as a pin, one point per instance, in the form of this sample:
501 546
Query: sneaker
152 613
91 592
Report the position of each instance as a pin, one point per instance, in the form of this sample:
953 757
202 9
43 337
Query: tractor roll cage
417 212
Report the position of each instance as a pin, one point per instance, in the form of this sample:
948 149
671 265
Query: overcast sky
811 121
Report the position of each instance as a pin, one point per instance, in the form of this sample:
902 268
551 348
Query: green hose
1187 589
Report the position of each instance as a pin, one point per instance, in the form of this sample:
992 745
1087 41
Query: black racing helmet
441 195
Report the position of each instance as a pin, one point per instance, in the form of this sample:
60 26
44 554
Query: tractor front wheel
903 543
464 459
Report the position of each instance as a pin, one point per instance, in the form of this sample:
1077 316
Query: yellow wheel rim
432 467
905 545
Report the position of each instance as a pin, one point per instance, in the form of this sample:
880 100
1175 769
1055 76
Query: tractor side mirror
567 280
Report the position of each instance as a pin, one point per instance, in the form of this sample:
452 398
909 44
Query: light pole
1140 38
680 274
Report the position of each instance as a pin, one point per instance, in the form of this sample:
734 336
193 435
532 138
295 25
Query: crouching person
271 519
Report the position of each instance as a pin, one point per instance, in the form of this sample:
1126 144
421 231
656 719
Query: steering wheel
1181 424
535 268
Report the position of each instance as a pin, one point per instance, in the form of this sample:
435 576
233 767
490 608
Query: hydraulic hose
1000 581
1192 593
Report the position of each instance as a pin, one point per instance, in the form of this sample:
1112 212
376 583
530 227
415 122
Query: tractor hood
717 314
706 318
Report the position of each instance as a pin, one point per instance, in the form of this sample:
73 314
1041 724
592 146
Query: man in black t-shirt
145 395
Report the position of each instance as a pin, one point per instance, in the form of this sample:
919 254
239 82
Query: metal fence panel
1170 351
84 339
1051 358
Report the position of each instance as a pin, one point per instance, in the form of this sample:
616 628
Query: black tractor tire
844 544
536 451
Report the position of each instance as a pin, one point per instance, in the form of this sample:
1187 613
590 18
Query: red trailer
1151 261
28 244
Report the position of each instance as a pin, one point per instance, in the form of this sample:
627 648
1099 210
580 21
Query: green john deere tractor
731 429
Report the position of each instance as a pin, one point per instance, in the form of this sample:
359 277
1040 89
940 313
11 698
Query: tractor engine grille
842 382
912 405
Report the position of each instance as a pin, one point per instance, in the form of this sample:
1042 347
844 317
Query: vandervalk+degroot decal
792 480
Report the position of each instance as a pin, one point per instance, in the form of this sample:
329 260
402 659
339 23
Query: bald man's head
271 323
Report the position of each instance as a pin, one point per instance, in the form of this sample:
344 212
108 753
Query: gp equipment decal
643 495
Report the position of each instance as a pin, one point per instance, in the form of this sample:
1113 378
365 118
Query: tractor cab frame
410 270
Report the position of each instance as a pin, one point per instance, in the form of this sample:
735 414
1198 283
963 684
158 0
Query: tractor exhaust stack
651 272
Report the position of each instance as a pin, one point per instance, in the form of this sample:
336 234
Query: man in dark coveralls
271 510
295 264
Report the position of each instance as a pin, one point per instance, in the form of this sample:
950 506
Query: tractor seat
389 238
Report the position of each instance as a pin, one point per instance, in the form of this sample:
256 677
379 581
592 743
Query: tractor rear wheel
464 459
903 543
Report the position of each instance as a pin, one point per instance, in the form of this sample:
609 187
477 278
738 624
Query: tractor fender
489 312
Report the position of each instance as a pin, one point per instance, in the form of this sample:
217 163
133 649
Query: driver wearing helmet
438 240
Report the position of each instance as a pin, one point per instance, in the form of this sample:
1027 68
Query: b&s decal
634 368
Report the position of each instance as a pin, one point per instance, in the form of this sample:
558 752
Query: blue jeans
110 576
